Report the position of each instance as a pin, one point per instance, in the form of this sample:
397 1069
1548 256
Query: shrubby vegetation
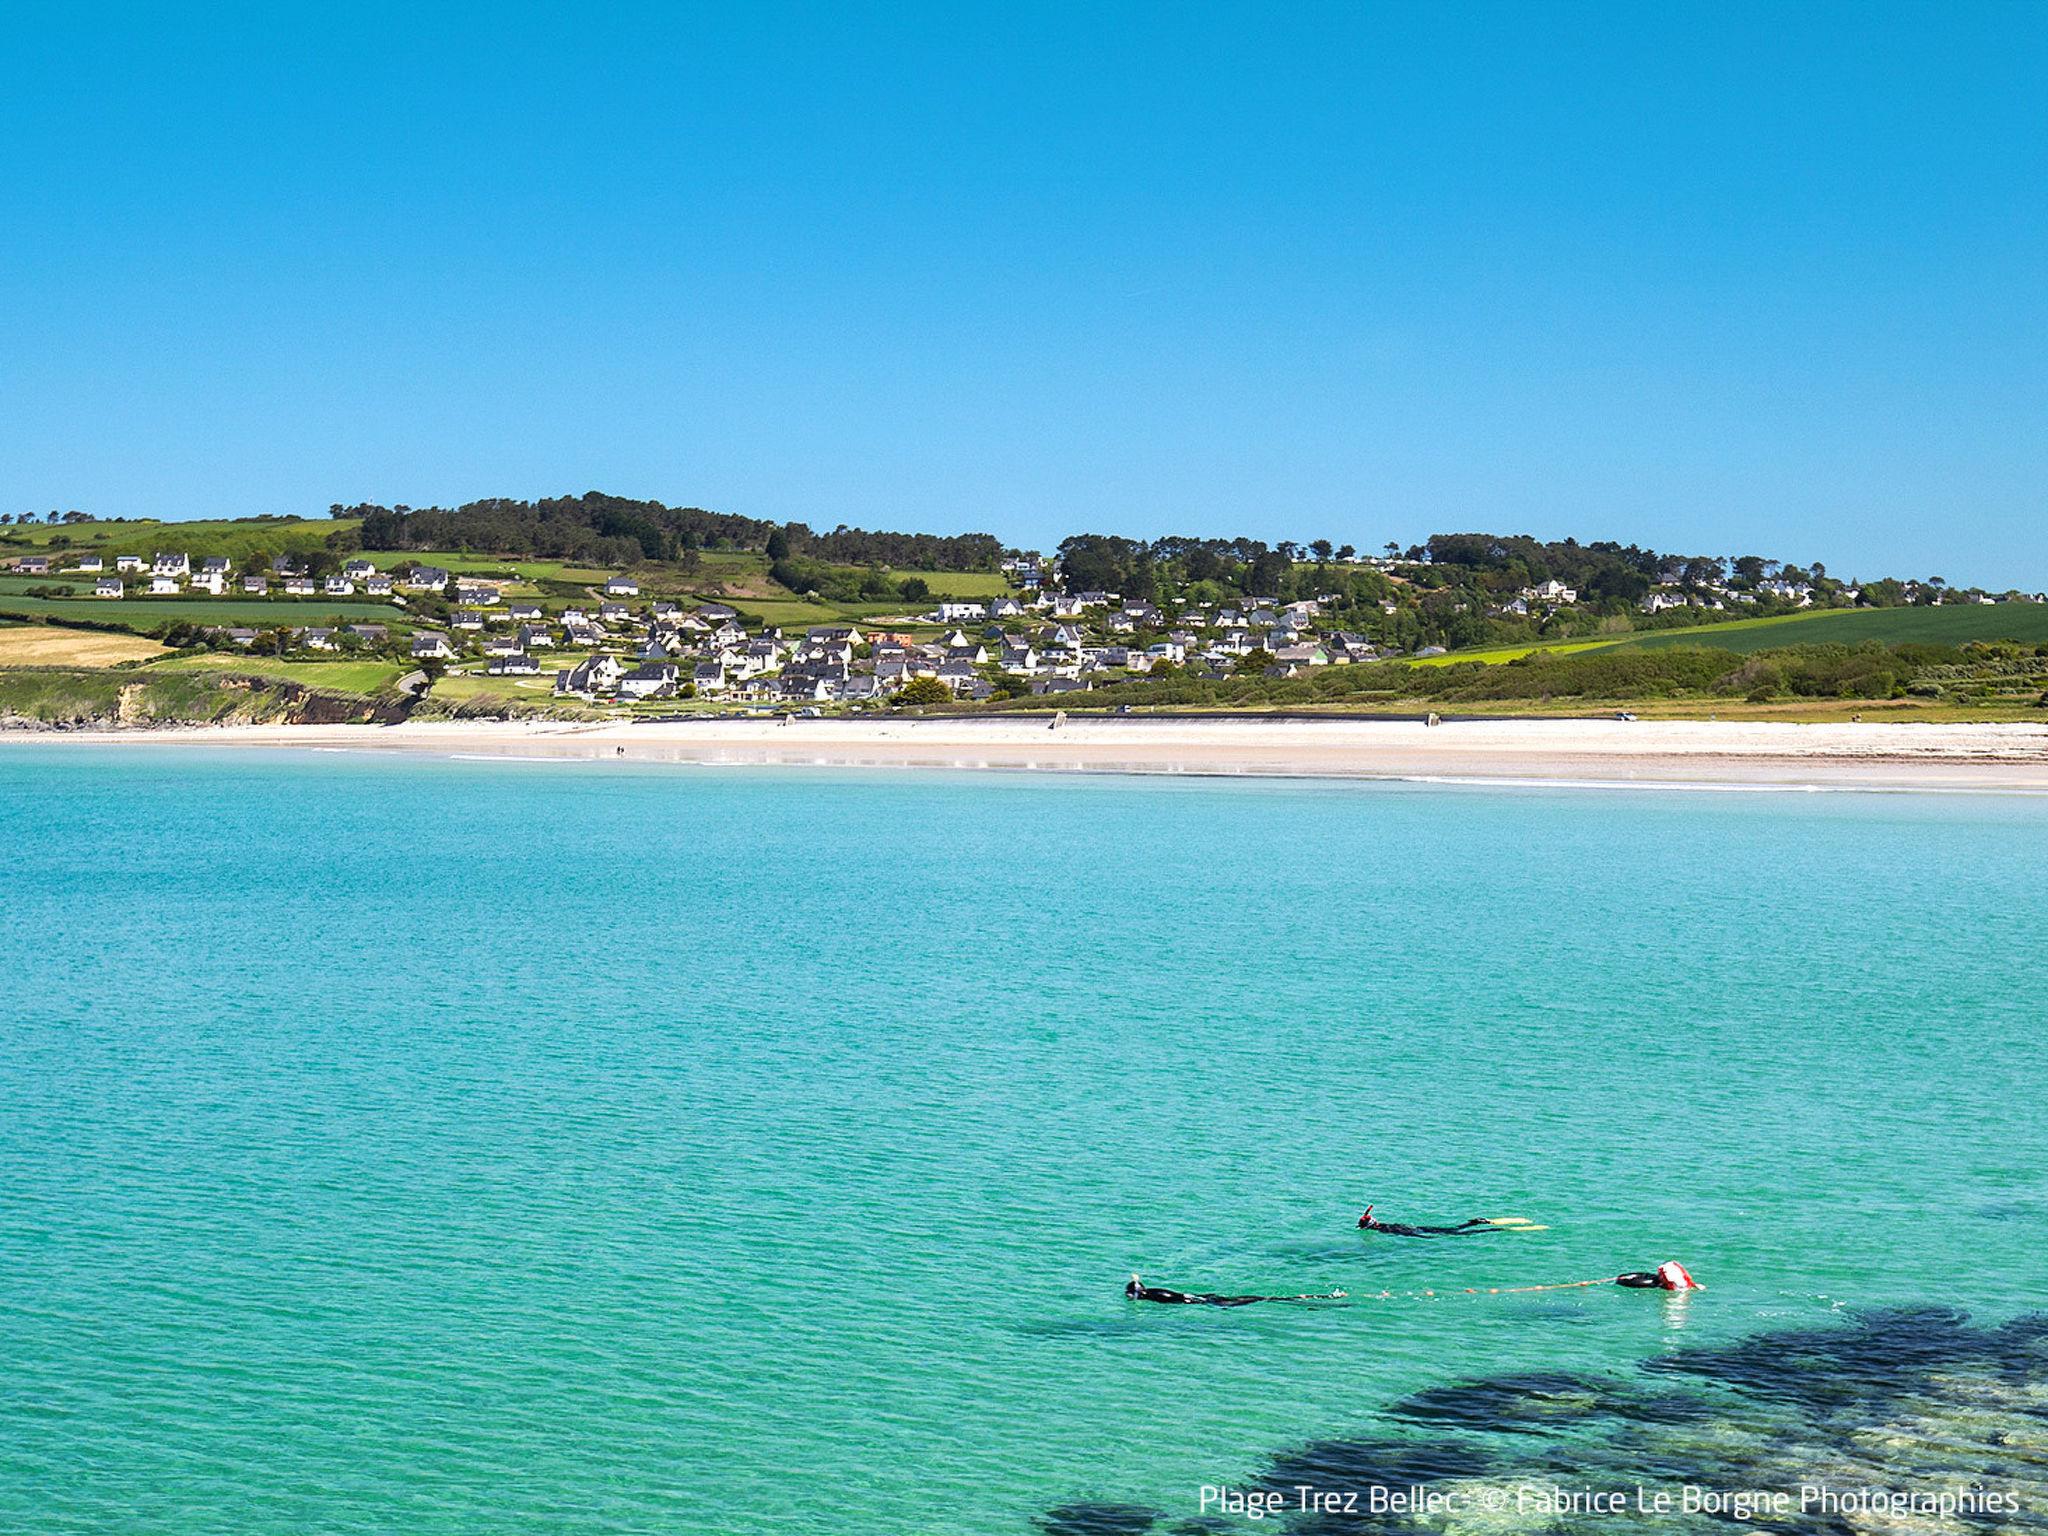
1869 671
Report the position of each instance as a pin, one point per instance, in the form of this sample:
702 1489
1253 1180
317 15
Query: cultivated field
1947 625
256 613
1954 624
39 645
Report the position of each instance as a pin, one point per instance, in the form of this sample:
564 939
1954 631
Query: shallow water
397 1143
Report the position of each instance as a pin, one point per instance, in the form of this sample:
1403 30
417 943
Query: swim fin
1514 1223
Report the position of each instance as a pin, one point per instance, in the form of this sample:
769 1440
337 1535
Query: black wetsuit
1470 1228
1141 1292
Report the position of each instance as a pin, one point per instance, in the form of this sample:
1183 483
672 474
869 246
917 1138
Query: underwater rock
1903 1399
1531 1400
1087 1519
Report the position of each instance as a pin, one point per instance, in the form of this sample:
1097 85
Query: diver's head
1365 1220
1134 1287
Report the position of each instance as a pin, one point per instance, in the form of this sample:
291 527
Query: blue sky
1722 279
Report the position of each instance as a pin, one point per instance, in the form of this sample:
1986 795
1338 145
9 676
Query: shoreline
1998 758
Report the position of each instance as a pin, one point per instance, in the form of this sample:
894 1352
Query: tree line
598 529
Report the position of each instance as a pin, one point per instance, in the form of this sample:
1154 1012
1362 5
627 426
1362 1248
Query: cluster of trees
614 530
52 516
842 585
1203 569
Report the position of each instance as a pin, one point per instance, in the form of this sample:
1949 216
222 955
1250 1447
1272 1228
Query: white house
256 586
652 680
1551 592
622 586
338 586
161 586
213 581
1796 592
300 586
430 645
128 562
108 586
171 565
594 675
90 565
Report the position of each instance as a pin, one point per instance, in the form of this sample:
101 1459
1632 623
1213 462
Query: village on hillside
646 634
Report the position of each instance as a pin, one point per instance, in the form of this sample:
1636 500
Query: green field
256 613
795 613
966 586
145 536
342 676
528 568
1495 654
1950 624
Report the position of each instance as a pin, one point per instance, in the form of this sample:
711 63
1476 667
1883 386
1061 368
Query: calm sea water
397 1144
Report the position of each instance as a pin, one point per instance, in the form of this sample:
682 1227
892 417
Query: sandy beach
1989 757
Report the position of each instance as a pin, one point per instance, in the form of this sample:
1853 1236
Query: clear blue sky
1722 279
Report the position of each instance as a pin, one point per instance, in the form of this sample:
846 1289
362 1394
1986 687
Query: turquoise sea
398 1144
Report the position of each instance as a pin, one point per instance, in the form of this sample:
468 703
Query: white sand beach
1914 756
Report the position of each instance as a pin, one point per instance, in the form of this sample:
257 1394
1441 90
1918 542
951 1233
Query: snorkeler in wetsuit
1472 1228
1138 1290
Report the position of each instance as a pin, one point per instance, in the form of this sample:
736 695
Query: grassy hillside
1955 624
234 538
70 696
351 676
1947 625
501 567
149 613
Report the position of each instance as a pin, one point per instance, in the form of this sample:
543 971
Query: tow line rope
1481 1290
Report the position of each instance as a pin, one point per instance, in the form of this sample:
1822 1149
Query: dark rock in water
1913 1398
1086 1519
1339 1465
1830 1370
2021 1344
1531 1400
